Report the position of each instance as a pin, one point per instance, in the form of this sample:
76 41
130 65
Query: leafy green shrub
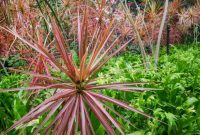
12 105
177 104
13 61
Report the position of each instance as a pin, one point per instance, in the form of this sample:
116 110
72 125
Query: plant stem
3 68
160 33
141 43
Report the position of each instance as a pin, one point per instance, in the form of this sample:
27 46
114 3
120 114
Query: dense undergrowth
176 103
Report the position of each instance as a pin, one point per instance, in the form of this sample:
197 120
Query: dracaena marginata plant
74 99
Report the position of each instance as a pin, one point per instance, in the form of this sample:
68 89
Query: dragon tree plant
76 96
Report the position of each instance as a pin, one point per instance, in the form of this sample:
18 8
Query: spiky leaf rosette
76 96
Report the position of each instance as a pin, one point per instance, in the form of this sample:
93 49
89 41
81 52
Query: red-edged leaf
61 47
97 67
101 117
31 116
119 103
64 123
83 117
119 115
88 121
54 108
125 88
59 115
42 105
28 88
72 116
99 105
